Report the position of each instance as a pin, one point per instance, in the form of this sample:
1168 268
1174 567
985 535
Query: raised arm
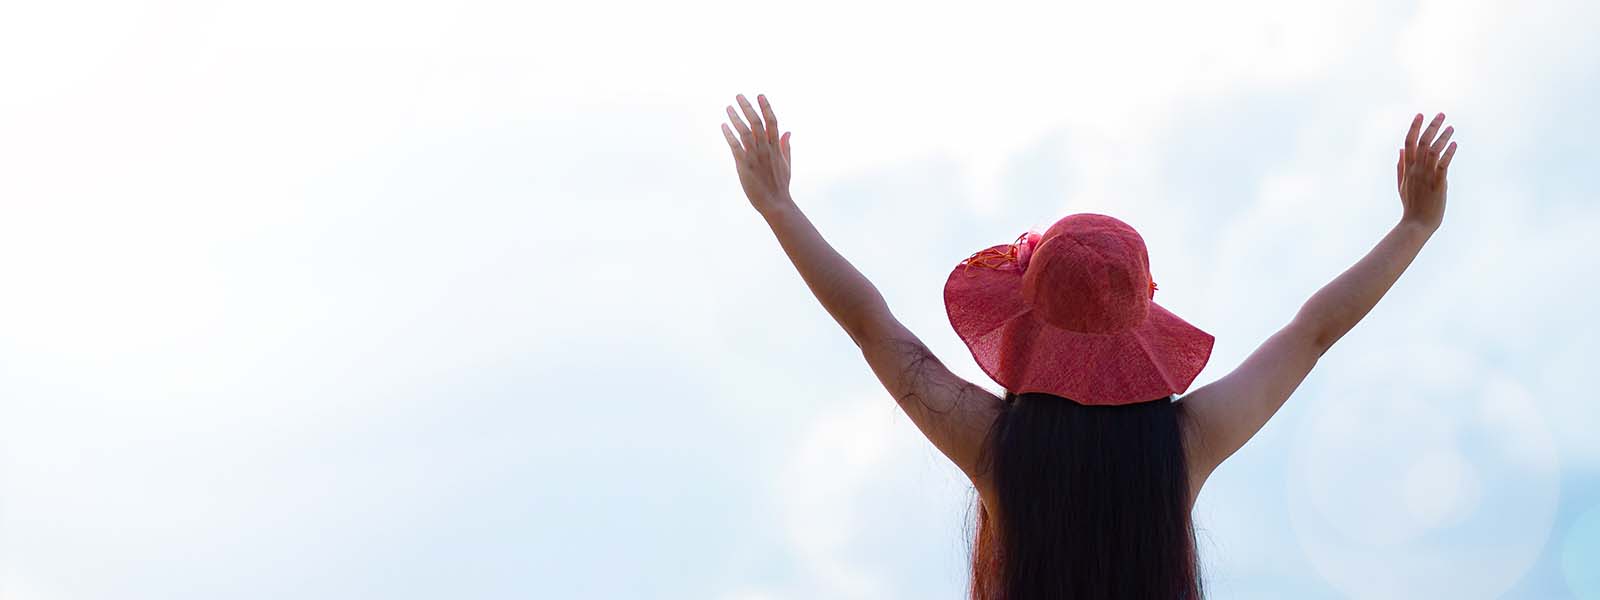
1228 411
953 413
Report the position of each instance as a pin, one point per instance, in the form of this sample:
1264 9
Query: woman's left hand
761 155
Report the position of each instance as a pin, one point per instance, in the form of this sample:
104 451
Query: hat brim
1158 358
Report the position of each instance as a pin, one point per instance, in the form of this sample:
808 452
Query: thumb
786 145
1400 170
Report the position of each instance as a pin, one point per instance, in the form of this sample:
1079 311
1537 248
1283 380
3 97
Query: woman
1087 469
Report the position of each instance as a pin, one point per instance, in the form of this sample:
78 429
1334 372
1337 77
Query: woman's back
1093 502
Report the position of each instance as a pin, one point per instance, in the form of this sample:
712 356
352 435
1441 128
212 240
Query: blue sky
409 300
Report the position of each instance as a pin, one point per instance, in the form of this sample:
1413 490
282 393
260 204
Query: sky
409 300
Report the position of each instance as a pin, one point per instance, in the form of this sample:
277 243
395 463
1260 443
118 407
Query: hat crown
1090 273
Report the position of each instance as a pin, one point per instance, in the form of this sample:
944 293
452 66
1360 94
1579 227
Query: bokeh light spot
1426 473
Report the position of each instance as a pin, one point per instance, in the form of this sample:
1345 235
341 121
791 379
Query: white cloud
231 235
1430 473
834 507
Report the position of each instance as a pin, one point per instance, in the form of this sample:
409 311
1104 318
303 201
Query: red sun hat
1071 312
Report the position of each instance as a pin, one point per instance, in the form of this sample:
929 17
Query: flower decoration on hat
1005 256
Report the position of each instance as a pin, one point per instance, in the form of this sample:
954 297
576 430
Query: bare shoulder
1220 417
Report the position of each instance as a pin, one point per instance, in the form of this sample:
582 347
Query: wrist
778 209
1418 226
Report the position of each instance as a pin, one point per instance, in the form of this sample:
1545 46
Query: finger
1444 138
757 146
756 126
751 154
775 165
1411 136
738 124
1425 143
781 165
770 140
771 119
733 143
1444 161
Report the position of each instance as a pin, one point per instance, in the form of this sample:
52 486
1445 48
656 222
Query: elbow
871 322
1321 346
1322 340
1316 335
879 328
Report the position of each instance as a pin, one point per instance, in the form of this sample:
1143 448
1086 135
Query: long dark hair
1095 503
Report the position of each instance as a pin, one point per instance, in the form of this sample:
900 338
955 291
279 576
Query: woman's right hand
761 155
1421 171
